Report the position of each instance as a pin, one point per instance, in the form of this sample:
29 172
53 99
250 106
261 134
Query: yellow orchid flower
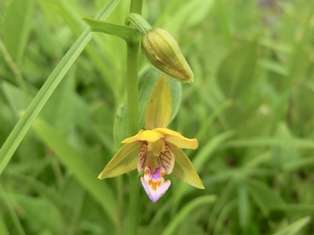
156 151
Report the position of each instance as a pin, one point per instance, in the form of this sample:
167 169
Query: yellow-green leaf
75 162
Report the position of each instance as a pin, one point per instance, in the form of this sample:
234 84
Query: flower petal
159 107
175 138
166 160
124 161
154 184
184 169
149 136
142 156
144 135
131 139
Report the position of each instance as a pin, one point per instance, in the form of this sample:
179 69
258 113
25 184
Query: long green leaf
271 141
48 88
73 161
182 15
186 211
295 227
293 209
206 153
16 27
264 197
39 187
35 210
12 213
243 205
3 228
236 71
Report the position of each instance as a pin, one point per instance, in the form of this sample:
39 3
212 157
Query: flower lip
154 184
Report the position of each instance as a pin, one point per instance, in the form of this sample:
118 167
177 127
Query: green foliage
237 70
64 113
16 27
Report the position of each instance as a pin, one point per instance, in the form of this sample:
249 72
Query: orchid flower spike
156 151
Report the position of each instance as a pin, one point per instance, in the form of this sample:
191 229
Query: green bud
163 53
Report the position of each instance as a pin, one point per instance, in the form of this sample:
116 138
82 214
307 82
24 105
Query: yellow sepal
177 139
159 107
124 161
184 170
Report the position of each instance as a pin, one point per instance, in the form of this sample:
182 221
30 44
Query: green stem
132 94
120 189
132 90
136 6
134 203
13 66
132 87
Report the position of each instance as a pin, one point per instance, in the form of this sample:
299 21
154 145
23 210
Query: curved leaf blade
236 71
82 171
24 124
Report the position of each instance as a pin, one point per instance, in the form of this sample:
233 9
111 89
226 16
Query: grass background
250 107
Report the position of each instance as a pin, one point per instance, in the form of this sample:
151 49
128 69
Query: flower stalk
132 87
132 96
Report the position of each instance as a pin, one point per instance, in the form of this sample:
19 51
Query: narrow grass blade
264 197
243 205
83 172
40 212
16 27
17 224
186 211
295 227
271 141
237 69
48 88
206 153
288 210
3 227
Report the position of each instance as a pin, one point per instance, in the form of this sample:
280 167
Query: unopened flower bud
163 53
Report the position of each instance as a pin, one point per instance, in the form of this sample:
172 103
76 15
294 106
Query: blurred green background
250 107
